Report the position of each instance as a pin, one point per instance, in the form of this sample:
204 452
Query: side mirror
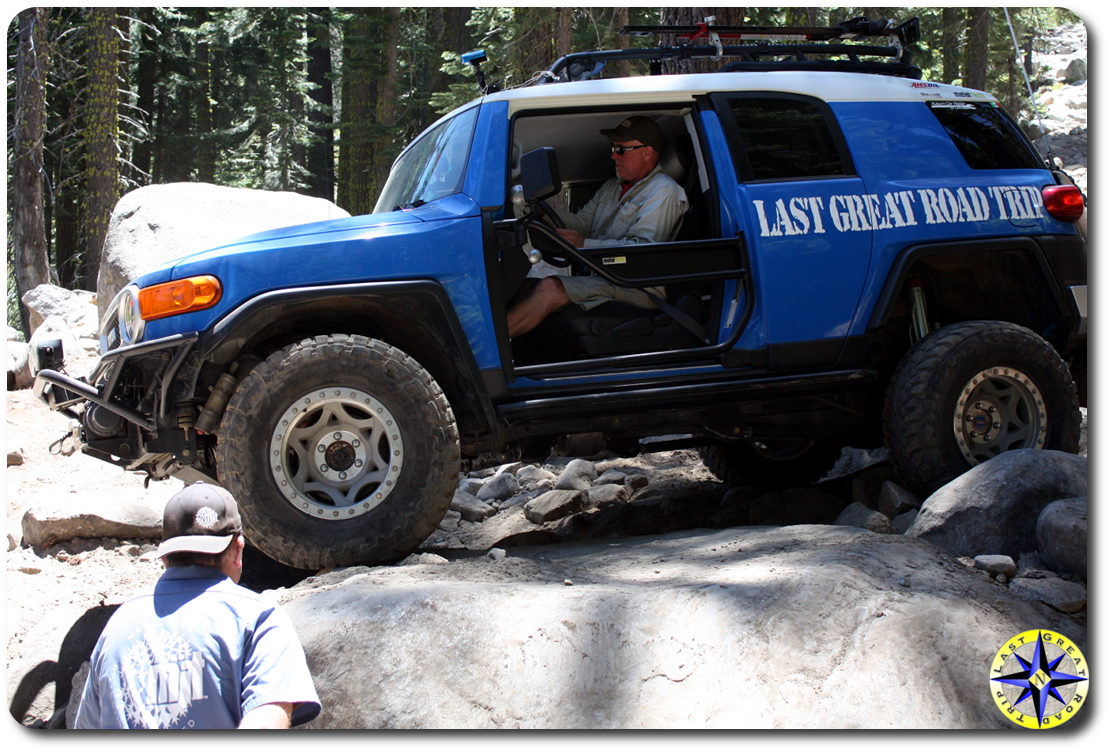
539 175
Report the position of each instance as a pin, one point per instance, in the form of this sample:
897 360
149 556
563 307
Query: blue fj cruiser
868 259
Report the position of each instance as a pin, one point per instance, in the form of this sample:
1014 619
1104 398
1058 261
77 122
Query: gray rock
1062 536
19 366
531 477
866 487
14 335
578 475
607 493
419 559
76 307
470 485
500 487
496 554
636 481
471 508
994 564
1076 71
654 627
65 518
895 500
158 223
1031 560
904 521
554 505
611 476
858 515
1066 597
995 505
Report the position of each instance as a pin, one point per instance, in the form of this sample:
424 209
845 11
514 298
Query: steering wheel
552 253
552 215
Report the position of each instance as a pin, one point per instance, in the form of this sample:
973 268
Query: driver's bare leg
548 297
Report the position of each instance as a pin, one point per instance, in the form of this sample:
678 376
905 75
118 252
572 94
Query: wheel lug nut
337 436
994 409
321 448
987 437
996 426
358 463
974 434
324 468
343 476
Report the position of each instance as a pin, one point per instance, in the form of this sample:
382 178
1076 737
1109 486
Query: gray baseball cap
202 517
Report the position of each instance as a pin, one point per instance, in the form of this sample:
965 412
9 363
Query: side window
985 136
782 139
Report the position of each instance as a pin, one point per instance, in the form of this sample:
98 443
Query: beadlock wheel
337 453
999 409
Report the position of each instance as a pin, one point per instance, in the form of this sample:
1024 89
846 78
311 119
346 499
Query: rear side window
985 136
782 139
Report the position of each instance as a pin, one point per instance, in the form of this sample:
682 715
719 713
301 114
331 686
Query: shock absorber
920 327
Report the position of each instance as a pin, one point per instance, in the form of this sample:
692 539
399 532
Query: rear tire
970 391
340 450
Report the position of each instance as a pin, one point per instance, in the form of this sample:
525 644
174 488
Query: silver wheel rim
999 409
336 453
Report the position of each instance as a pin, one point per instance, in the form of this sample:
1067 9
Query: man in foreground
199 651
642 204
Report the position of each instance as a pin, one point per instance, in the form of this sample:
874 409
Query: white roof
833 86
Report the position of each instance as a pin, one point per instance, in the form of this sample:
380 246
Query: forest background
320 101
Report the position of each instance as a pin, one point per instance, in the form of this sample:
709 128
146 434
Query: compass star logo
1039 679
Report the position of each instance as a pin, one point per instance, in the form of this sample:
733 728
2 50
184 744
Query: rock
470 486
904 521
76 307
531 477
858 515
611 476
500 487
1031 560
1076 71
578 475
1062 536
994 564
15 458
413 560
19 366
995 505
653 628
65 518
866 487
496 554
636 481
158 223
607 493
895 500
1066 597
471 508
797 506
735 507
554 505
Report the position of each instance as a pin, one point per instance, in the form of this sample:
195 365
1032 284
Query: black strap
686 320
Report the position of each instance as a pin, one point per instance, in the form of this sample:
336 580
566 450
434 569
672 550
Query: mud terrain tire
969 392
340 450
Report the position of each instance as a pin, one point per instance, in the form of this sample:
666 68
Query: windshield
433 167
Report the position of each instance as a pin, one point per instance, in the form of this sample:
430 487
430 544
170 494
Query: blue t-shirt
197 652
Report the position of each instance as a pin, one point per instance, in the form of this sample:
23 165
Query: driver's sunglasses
622 150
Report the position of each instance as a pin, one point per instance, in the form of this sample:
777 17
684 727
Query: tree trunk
978 50
321 154
146 80
564 26
386 110
28 130
621 68
359 94
202 98
692 17
951 23
101 133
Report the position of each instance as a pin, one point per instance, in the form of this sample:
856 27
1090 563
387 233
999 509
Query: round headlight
131 324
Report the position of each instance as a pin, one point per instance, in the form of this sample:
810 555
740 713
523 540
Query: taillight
1063 202
179 296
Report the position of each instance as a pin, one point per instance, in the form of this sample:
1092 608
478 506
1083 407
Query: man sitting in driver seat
642 204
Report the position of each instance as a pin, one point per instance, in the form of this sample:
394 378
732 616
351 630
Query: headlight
131 324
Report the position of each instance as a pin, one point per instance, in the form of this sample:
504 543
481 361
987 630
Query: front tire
340 450
970 391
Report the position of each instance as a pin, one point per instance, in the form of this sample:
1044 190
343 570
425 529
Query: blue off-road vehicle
868 259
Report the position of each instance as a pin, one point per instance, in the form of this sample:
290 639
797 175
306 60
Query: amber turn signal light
179 296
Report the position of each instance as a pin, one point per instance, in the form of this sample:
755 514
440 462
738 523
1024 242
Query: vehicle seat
612 328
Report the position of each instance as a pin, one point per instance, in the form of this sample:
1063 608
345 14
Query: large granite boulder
157 223
993 508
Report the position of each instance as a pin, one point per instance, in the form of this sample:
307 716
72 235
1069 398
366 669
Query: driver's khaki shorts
590 292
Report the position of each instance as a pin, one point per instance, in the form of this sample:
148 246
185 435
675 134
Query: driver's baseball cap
638 128
202 517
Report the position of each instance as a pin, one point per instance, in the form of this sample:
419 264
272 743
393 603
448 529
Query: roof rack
805 42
